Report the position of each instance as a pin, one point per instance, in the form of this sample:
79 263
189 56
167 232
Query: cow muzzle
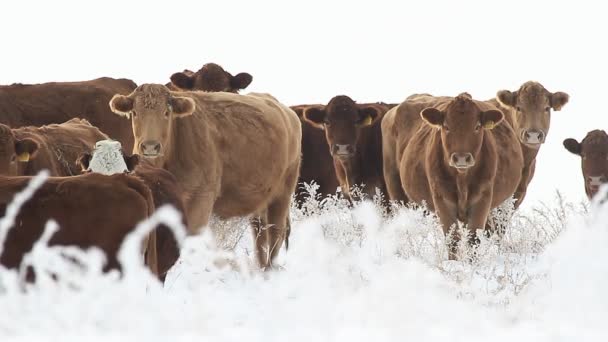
462 161
343 151
594 183
532 137
150 148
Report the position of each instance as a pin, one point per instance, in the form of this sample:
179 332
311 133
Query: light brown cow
234 155
212 78
455 155
26 151
352 132
57 102
593 151
91 210
528 110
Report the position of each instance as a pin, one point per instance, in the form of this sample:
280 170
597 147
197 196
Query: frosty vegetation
353 271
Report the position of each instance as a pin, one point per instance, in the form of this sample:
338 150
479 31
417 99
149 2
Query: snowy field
350 274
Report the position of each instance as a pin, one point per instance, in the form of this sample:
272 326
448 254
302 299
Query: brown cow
460 160
91 210
57 102
26 151
212 78
528 110
234 155
593 151
354 139
317 163
164 187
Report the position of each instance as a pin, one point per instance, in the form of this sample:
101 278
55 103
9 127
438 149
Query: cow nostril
468 159
157 147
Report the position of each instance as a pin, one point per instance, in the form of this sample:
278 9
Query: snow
350 274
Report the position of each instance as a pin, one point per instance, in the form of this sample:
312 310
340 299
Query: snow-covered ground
351 274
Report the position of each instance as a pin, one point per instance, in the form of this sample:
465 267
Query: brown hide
57 102
53 147
91 210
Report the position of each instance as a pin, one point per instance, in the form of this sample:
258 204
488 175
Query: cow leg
478 217
199 212
278 215
259 225
526 178
392 176
448 216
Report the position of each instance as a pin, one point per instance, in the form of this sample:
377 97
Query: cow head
15 152
211 77
342 119
107 158
593 151
532 104
152 109
463 125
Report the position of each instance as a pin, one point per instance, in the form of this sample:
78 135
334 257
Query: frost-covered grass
352 272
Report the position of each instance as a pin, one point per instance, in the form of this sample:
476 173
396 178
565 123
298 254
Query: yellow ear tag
24 157
367 121
489 125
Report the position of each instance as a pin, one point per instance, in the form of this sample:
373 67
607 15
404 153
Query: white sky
309 51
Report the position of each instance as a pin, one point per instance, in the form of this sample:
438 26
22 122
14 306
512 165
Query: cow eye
477 127
167 114
518 108
133 113
547 109
446 129
326 123
13 158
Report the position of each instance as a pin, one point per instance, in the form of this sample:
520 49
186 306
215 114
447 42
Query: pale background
309 51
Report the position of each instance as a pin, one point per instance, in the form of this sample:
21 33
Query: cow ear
121 105
367 116
132 161
241 81
183 80
489 119
182 106
316 116
83 161
433 116
573 146
25 149
507 98
558 100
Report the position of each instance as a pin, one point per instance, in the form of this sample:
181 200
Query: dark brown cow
164 187
91 210
317 163
528 110
593 151
57 102
456 156
212 78
26 151
234 155
354 139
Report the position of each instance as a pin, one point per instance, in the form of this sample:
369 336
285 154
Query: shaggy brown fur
91 210
26 151
453 154
212 78
593 151
57 102
234 155
353 135
528 110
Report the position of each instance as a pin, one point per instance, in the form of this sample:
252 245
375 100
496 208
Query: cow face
342 119
107 158
14 152
532 104
212 78
462 126
152 109
593 151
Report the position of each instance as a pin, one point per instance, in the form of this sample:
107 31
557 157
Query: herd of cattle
205 149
